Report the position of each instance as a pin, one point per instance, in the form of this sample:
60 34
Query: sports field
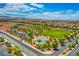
56 33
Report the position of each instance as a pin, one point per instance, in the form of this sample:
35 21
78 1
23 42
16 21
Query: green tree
55 45
9 49
62 41
77 53
67 37
44 46
70 47
8 44
73 45
30 33
48 45
71 36
38 46
2 39
17 50
76 41
15 26
30 39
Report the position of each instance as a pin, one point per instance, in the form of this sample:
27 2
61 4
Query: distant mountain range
7 18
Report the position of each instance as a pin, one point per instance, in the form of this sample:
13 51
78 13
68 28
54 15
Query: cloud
19 7
13 9
37 5
25 11
62 16
59 15
2 11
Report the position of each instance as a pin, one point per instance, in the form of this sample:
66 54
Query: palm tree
30 40
75 34
77 42
38 46
30 33
72 36
2 39
8 44
16 25
73 44
77 53
55 45
17 50
44 47
50 39
9 49
67 37
70 47
62 41
48 44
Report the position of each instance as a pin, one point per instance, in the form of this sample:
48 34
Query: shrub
77 53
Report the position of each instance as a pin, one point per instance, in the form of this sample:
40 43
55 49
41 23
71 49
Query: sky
48 11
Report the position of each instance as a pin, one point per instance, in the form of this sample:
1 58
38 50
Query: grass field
56 33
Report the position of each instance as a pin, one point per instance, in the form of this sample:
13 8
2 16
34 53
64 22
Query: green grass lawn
56 33
1 23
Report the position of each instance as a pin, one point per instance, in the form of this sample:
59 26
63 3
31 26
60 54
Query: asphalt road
4 52
56 53
73 52
30 51
26 49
